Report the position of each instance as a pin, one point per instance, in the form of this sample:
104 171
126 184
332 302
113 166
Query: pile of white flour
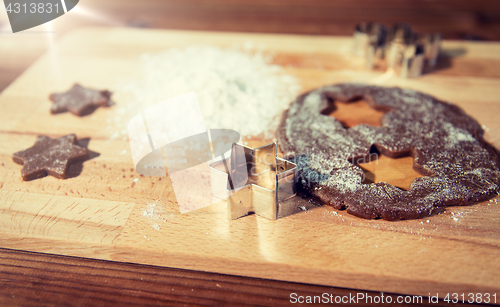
236 90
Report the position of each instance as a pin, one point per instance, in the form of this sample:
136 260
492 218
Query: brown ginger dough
446 145
49 156
79 100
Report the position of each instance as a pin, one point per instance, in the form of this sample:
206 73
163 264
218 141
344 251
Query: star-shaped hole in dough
49 156
79 100
355 112
397 171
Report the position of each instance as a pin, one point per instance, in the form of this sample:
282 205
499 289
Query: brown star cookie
79 100
49 156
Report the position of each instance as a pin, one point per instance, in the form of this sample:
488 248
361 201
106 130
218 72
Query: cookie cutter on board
432 44
406 52
254 180
370 39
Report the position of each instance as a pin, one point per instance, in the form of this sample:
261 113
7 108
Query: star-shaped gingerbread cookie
49 156
79 100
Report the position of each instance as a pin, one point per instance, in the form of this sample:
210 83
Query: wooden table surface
99 213
456 19
35 279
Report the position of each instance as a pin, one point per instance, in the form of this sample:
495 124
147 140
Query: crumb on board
154 213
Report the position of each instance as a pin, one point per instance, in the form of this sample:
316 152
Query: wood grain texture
455 251
459 19
26 280
456 19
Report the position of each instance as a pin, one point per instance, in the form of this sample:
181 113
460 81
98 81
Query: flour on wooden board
236 89
154 214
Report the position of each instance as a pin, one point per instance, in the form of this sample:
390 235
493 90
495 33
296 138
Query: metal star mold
254 180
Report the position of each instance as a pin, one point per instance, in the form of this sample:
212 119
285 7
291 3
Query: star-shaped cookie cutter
254 180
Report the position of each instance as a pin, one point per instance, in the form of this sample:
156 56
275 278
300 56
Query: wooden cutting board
102 210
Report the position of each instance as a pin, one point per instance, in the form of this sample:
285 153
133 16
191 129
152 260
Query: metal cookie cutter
432 44
370 39
254 180
405 54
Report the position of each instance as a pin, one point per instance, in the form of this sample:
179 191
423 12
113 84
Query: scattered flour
236 89
153 213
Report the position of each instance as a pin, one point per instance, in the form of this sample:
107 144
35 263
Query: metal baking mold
405 52
370 40
432 44
254 180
